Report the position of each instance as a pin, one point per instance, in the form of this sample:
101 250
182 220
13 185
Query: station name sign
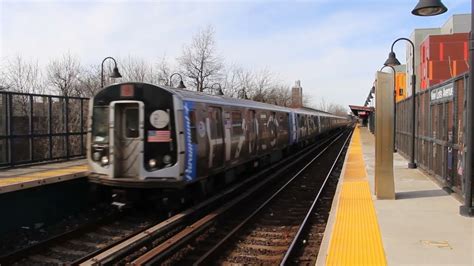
441 94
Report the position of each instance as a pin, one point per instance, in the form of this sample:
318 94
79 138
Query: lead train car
145 136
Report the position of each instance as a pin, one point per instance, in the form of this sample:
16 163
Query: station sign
442 94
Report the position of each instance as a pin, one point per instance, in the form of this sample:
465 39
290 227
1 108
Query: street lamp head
115 73
392 60
429 8
181 85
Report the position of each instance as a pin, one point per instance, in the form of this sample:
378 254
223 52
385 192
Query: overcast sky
333 46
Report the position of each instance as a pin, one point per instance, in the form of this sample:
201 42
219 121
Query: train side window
302 121
251 122
192 119
100 124
215 119
237 123
274 123
131 123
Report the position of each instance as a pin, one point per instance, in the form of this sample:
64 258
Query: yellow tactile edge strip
356 238
9 184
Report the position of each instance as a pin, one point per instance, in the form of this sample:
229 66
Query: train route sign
159 119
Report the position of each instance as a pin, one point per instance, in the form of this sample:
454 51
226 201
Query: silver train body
147 136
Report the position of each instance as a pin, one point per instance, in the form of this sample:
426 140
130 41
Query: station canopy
361 111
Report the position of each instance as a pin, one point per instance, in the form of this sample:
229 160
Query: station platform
421 227
39 175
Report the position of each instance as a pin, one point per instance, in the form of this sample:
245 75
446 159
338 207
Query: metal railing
39 128
440 116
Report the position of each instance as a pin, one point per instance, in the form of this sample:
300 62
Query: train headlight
152 163
96 156
167 159
104 160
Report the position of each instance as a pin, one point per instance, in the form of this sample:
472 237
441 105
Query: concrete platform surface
422 226
38 175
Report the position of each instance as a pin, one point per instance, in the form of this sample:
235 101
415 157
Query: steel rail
310 211
167 248
113 254
53 240
211 253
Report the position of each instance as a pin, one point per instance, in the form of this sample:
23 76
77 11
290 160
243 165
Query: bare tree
230 83
135 69
163 71
323 105
22 75
63 75
279 94
332 108
337 109
307 100
199 61
239 82
264 80
89 81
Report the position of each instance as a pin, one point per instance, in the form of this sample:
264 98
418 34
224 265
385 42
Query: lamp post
394 105
243 94
433 8
219 92
115 72
181 83
393 61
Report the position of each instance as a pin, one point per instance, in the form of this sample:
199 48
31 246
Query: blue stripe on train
191 148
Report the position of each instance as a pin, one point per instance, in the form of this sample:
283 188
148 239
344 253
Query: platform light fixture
393 61
219 92
429 8
181 83
243 94
115 71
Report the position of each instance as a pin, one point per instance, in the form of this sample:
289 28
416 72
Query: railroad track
268 234
76 245
131 239
171 234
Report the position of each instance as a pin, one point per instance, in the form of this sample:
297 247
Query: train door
127 131
263 132
294 128
252 132
216 137
273 126
237 136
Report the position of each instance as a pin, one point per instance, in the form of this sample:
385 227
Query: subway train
147 136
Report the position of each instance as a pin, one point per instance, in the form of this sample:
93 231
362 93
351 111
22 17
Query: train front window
100 124
131 123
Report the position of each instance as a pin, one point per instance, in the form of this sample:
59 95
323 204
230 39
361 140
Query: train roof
219 99
309 111
222 99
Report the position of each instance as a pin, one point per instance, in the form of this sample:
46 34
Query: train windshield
100 124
